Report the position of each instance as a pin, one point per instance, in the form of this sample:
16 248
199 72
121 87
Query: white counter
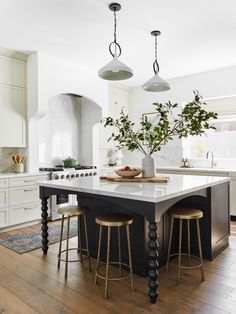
8 175
150 192
226 171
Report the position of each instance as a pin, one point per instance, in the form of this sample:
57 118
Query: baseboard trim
232 218
18 226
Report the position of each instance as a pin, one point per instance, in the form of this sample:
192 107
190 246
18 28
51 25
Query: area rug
29 241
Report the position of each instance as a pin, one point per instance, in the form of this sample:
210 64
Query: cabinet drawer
3 198
24 213
24 195
3 183
4 219
25 181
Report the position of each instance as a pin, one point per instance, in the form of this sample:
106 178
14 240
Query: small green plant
191 120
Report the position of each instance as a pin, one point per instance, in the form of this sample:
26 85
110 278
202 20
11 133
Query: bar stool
109 221
185 214
71 211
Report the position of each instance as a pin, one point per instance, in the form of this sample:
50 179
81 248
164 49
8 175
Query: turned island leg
44 228
152 262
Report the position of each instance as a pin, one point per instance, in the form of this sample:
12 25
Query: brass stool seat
73 211
109 221
114 220
185 214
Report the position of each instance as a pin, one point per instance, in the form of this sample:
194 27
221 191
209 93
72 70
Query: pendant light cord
115 28
117 46
155 63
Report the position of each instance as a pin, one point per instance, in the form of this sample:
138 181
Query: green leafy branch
191 120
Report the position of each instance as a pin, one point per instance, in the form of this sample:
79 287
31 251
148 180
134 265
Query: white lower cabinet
24 213
3 198
4 217
19 200
233 196
23 195
4 214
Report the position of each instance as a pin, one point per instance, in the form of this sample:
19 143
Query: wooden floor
31 283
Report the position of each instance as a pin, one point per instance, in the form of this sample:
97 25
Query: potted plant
192 119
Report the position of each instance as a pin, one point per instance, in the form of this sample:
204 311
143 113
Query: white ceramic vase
149 166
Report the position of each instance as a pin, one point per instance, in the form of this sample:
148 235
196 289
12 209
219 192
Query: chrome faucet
212 158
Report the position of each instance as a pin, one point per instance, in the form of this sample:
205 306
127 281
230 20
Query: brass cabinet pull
28 181
32 190
30 208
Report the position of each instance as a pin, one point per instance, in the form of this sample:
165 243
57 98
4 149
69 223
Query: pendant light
115 70
156 83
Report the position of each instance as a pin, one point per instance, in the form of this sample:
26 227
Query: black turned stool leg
152 262
44 221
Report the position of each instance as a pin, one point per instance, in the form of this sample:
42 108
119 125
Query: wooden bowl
128 174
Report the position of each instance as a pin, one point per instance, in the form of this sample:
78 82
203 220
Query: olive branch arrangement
192 119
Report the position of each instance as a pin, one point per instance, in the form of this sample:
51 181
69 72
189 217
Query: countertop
227 171
8 175
150 192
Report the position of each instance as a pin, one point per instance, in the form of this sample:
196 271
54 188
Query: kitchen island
149 203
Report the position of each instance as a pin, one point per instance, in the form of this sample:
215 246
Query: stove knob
77 175
90 174
67 176
82 175
86 174
95 173
72 176
56 177
62 177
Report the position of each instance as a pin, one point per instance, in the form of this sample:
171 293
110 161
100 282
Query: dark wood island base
149 234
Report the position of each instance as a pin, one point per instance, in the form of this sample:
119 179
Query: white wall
217 83
51 76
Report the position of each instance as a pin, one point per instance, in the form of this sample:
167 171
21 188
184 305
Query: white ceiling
196 35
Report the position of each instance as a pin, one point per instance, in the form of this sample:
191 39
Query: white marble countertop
7 175
197 169
149 192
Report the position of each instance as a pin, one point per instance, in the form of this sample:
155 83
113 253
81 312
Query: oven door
58 201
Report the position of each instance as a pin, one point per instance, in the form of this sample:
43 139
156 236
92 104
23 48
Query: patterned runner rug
29 241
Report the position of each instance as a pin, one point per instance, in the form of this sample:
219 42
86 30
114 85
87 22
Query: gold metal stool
71 211
109 221
186 214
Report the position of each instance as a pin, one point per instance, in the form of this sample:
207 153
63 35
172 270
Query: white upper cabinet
12 99
12 117
12 71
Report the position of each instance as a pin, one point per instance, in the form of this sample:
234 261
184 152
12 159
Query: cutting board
136 179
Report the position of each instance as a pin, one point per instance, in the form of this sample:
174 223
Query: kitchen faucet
212 158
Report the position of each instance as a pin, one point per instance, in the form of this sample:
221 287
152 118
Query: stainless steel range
60 200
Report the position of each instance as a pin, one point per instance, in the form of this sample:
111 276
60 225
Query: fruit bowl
128 172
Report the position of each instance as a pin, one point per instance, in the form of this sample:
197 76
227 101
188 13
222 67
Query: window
222 140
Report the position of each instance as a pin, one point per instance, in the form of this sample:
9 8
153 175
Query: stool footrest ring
187 267
114 278
74 260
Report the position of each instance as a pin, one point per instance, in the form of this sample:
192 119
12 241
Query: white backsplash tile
6 162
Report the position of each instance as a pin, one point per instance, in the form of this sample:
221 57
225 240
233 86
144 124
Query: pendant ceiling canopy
156 83
115 70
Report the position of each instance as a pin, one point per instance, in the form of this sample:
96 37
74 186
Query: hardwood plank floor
31 283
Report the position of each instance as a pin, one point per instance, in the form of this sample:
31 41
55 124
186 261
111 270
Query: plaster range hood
69 129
